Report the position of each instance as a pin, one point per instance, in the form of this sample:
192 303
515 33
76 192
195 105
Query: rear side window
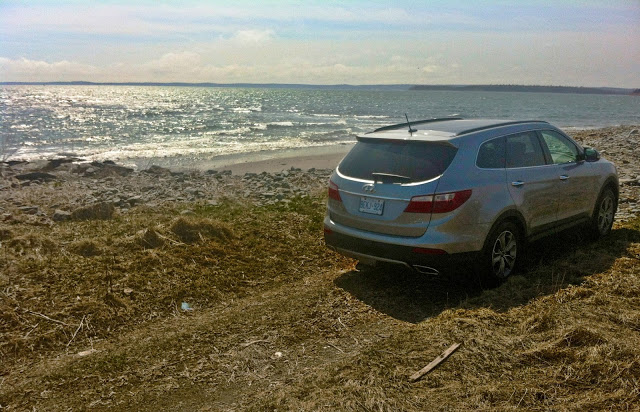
524 150
492 154
414 161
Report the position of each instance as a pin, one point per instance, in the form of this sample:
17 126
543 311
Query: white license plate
371 205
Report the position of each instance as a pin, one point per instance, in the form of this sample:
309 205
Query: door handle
517 183
564 177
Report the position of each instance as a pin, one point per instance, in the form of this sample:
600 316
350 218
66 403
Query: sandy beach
326 157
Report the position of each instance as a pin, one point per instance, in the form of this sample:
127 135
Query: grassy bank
109 274
92 318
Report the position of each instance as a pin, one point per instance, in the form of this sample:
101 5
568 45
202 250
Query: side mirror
591 155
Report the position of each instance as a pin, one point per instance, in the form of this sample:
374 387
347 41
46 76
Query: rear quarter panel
489 199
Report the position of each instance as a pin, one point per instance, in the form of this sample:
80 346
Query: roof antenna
409 124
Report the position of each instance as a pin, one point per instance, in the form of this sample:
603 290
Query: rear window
414 161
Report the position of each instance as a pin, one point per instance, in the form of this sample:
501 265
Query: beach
209 287
265 178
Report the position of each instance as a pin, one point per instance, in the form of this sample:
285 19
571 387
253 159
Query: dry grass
86 248
76 268
149 238
194 230
282 324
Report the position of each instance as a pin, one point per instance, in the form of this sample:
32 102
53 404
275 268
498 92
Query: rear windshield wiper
389 178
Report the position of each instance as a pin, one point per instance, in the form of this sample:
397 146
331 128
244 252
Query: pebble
29 210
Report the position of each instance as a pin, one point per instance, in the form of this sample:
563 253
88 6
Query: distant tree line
525 88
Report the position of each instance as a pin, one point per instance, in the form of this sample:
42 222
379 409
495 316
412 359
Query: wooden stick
335 347
175 242
32 329
76 332
434 363
247 344
46 317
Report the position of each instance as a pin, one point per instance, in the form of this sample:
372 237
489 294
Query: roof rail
491 126
409 124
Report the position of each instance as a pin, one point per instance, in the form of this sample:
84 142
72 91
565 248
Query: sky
554 42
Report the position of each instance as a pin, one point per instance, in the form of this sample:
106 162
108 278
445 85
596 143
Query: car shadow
550 264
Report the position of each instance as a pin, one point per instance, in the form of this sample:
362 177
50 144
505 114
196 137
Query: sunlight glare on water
125 122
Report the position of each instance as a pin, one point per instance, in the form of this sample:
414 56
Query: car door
532 183
574 176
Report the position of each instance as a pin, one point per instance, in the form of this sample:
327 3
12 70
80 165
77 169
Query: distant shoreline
531 89
381 87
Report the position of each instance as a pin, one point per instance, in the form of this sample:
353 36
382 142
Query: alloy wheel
605 214
503 255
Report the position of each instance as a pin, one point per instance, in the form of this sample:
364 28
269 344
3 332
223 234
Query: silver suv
431 193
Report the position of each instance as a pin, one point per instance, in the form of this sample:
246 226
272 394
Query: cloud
253 36
35 70
190 67
155 18
252 55
173 63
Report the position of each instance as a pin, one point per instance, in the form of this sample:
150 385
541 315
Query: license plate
371 205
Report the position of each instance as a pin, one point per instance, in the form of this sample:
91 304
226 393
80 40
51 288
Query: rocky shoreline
47 191
60 189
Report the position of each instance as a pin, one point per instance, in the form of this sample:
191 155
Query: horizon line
409 86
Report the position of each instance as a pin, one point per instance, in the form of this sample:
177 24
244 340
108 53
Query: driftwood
434 363
253 342
42 315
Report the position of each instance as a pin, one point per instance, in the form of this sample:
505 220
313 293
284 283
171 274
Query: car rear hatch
387 186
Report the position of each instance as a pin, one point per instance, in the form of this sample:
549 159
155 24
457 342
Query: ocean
137 125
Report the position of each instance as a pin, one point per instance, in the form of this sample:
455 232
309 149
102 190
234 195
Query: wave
246 109
280 124
371 117
228 132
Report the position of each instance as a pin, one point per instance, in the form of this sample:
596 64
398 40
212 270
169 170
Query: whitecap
281 124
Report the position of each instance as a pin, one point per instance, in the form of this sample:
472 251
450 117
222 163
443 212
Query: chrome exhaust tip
426 270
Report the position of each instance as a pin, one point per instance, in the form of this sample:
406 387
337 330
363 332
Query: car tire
604 213
502 253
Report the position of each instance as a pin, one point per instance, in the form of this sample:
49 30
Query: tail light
441 203
334 192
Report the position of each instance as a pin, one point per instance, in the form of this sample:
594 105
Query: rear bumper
370 252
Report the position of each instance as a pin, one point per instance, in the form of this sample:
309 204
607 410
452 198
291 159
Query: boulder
98 211
29 210
55 163
61 215
36 176
109 168
134 200
157 170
